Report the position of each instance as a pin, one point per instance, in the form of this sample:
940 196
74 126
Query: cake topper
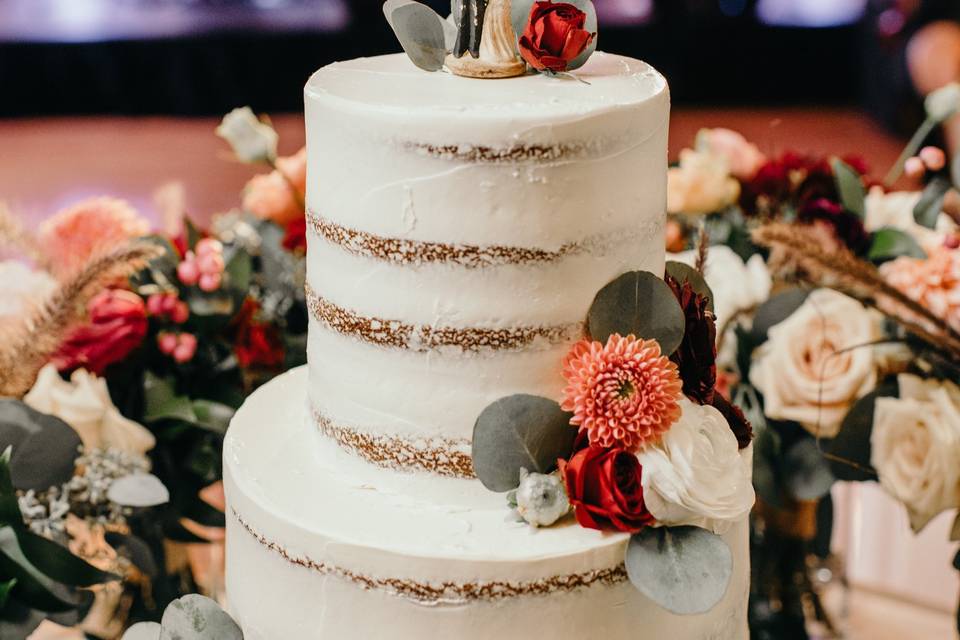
496 38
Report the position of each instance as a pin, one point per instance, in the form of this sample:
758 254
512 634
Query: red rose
554 36
295 235
605 490
257 344
117 326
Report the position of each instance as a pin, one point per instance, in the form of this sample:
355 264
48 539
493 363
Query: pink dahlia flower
74 235
933 282
624 394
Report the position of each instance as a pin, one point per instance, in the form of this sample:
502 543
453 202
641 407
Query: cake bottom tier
315 551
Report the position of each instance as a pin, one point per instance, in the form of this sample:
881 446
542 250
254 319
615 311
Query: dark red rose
696 357
256 344
738 422
117 325
605 489
846 226
554 36
295 237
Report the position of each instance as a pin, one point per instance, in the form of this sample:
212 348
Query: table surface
46 164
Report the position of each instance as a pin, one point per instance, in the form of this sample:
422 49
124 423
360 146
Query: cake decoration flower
554 36
623 394
541 498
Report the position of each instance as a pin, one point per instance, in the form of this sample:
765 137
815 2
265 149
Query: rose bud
554 36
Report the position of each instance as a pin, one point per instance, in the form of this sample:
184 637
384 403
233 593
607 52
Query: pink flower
278 196
625 394
72 236
117 326
933 282
743 158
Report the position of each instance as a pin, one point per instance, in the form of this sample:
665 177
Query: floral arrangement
842 347
124 352
641 443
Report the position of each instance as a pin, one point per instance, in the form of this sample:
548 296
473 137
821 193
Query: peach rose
700 184
278 196
743 158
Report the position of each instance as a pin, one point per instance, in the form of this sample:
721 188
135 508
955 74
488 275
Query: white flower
701 184
915 447
944 102
541 498
736 286
20 286
252 140
84 403
895 209
697 475
807 370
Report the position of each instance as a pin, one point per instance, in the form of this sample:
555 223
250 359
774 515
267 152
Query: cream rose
700 184
697 475
743 158
252 140
916 447
84 403
895 209
807 370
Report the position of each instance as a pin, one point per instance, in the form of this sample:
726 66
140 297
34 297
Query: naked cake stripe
445 593
516 154
442 456
403 251
402 335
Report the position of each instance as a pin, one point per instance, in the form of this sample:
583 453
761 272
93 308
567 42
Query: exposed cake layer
318 551
459 232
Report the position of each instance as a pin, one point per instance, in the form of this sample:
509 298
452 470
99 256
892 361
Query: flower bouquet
124 354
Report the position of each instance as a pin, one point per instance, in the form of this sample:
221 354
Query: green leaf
56 562
195 617
9 506
33 589
641 304
775 310
239 269
163 403
420 32
519 432
682 272
44 446
193 233
212 416
806 473
889 243
685 570
850 187
5 588
928 209
852 442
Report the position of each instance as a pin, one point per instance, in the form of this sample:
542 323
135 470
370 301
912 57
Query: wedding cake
460 230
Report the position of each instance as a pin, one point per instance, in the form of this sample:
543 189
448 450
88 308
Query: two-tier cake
460 230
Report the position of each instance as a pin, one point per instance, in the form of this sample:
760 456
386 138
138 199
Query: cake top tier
393 84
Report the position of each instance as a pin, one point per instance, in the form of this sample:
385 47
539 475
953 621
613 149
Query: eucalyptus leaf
45 447
5 589
420 31
850 187
138 490
195 617
775 310
143 631
889 243
685 570
806 473
33 589
641 304
238 269
851 447
57 562
930 205
163 403
682 272
9 505
212 416
519 432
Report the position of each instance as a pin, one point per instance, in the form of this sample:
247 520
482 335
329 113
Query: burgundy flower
605 489
696 358
117 326
295 235
554 36
256 344
738 422
847 226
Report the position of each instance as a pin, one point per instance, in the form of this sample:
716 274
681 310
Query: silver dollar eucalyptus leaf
143 631
682 272
420 30
138 490
519 432
196 617
685 570
641 304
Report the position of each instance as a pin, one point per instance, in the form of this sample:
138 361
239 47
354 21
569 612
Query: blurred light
810 13
624 12
732 8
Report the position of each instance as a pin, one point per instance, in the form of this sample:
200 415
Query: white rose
807 370
84 403
701 184
252 140
915 447
944 102
697 475
20 286
895 209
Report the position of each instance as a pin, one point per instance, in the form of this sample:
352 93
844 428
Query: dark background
203 57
